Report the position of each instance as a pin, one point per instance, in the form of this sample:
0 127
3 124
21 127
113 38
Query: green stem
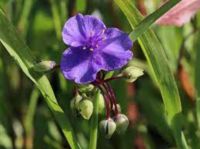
94 123
197 80
63 5
23 21
198 111
31 110
28 121
56 18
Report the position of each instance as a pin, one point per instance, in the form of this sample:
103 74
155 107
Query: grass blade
21 54
158 64
150 19
56 18
197 82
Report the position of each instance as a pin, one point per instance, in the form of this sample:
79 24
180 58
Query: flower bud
132 73
75 101
107 127
101 104
85 88
118 108
122 123
85 108
44 66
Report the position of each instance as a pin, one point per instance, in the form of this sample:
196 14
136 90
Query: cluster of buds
115 121
118 123
82 104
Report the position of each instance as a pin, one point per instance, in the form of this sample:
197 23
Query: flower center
91 44
93 41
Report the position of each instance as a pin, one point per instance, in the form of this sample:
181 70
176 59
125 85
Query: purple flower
92 47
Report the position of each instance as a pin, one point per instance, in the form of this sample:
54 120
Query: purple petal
79 28
76 64
114 52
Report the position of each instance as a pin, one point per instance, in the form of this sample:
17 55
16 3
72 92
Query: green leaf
197 78
5 141
56 18
24 17
158 64
153 104
21 54
149 20
28 124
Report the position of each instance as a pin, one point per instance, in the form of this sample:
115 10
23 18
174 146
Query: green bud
107 127
75 101
122 123
85 88
101 104
85 108
44 66
118 108
132 73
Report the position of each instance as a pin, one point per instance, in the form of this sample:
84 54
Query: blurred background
25 120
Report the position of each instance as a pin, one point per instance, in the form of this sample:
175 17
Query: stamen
103 38
84 48
91 49
91 33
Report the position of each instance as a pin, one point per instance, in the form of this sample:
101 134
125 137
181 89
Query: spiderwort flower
92 47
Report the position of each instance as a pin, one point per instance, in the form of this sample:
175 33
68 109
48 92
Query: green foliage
21 54
163 105
158 63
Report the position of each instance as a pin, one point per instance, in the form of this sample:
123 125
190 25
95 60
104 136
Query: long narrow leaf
157 61
21 54
197 74
149 20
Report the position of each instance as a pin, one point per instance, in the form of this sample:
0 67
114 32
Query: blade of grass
197 81
23 21
94 123
63 5
31 111
156 60
29 118
150 19
5 140
56 18
156 107
20 52
158 64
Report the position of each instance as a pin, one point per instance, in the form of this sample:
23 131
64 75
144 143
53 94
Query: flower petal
115 52
76 64
181 13
79 28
